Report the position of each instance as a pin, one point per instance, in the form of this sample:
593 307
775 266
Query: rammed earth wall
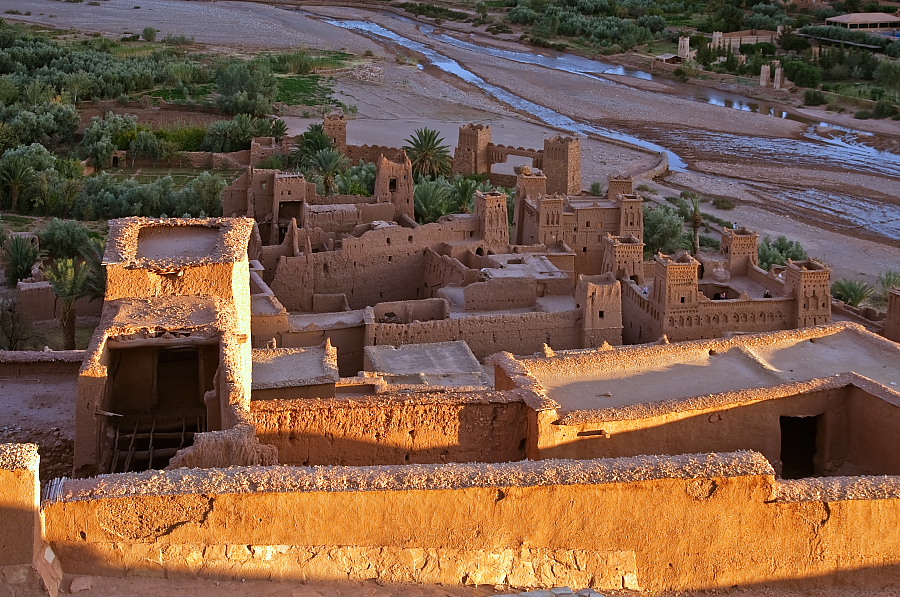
661 523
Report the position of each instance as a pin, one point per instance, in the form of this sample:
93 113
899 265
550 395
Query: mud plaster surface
153 587
167 243
289 367
688 369
417 476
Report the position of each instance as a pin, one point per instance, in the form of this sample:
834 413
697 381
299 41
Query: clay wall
725 520
753 425
713 319
213 279
35 365
348 341
38 302
369 430
487 334
764 279
892 321
411 311
500 293
20 494
442 270
640 316
876 422
386 264
370 153
502 180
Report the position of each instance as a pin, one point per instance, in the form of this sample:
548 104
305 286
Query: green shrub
863 115
273 162
708 241
19 256
777 252
723 203
885 109
64 238
814 97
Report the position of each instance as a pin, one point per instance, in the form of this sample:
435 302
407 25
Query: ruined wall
385 264
525 333
348 341
725 521
500 293
368 430
753 425
370 153
442 270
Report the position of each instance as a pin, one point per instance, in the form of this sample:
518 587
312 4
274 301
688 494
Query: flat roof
521 265
292 367
596 380
440 363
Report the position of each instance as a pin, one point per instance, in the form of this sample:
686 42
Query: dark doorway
798 446
157 395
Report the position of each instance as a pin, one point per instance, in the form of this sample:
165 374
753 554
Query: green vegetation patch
306 90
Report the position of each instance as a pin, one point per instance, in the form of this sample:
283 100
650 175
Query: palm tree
851 292
432 200
429 156
278 129
328 163
696 220
15 175
309 144
95 285
886 281
69 281
19 256
462 192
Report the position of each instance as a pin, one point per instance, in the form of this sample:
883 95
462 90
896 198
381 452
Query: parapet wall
723 517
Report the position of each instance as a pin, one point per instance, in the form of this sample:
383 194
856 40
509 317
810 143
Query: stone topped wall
521 524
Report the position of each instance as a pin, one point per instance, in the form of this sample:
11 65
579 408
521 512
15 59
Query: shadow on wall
821 433
387 432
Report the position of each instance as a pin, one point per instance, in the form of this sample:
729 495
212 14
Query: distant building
869 21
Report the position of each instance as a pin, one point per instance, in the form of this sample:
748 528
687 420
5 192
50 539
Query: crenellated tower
562 165
623 256
493 220
335 127
600 300
471 156
741 246
809 281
